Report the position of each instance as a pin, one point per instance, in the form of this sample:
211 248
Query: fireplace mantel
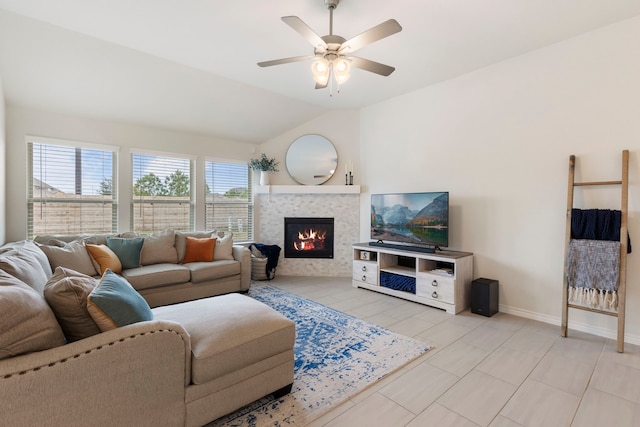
307 189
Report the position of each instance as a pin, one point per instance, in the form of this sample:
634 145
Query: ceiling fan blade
319 86
373 34
285 60
372 66
304 30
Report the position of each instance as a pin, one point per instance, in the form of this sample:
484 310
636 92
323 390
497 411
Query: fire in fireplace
308 237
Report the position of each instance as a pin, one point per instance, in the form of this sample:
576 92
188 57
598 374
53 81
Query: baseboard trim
577 326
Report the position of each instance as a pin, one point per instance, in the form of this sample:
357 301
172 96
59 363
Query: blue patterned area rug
336 356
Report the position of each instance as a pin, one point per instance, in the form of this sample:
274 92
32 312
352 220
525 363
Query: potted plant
264 165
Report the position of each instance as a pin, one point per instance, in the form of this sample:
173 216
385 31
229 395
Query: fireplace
308 237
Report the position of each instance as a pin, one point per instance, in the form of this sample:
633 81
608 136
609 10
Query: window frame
32 198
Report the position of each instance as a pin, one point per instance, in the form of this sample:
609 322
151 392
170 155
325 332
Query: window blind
161 191
71 189
229 199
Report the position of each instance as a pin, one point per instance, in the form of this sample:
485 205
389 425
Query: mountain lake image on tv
411 218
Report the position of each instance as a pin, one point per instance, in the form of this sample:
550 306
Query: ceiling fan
332 53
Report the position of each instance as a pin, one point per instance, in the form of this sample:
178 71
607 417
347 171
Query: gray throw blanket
593 271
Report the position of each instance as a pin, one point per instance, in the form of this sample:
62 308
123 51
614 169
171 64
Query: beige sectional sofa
193 362
161 278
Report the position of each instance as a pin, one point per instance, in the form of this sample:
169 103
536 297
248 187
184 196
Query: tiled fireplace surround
271 210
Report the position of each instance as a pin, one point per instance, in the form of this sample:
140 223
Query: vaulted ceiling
191 65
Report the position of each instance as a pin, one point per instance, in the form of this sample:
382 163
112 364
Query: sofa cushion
66 292
159 248
127 250
204 271
31 248
26 262
199 249
114 303
229 332
73 255
181 240
105 258
128 235
224 247
156 275
27 324
55 239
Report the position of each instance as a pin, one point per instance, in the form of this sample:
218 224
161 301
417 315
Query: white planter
265 178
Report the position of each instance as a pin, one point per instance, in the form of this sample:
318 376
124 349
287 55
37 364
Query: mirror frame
311 159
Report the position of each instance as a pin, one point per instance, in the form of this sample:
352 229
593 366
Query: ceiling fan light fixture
341 68
331 53
321 70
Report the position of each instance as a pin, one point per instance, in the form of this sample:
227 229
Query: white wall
499 140
3 169
25 121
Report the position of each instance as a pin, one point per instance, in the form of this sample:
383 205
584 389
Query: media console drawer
435 287
365 271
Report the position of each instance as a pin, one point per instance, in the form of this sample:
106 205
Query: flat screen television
420 219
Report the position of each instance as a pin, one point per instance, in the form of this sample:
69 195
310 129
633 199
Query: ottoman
240 347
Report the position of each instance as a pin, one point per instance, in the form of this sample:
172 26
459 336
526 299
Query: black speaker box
484 297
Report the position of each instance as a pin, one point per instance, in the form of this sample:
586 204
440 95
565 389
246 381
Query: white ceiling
191 64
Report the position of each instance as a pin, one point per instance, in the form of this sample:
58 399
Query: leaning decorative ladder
622 277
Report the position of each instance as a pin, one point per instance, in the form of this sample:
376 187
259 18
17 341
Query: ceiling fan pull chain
331 84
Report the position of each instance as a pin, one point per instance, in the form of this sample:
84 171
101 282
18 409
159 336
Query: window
71 188
161 193
229 199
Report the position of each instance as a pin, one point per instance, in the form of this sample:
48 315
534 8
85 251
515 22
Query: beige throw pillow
66 292
29 248
26 268
159 248
73 255
27 324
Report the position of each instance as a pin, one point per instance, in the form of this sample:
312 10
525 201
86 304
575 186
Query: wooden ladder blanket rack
622 277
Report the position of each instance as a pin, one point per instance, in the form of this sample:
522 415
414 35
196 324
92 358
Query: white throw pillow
224 247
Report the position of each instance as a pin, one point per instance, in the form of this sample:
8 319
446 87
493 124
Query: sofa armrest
242 254
134 375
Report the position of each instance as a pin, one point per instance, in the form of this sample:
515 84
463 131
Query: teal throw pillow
127 250
114 303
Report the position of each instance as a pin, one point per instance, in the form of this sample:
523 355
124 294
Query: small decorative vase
265 178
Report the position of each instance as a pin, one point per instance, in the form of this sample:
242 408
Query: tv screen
411 218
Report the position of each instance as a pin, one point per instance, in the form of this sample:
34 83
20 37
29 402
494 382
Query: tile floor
494 371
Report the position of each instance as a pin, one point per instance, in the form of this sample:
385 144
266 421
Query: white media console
441 279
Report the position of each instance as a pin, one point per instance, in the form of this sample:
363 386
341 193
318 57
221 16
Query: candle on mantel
346 173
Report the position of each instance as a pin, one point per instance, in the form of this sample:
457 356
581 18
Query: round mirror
311 160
